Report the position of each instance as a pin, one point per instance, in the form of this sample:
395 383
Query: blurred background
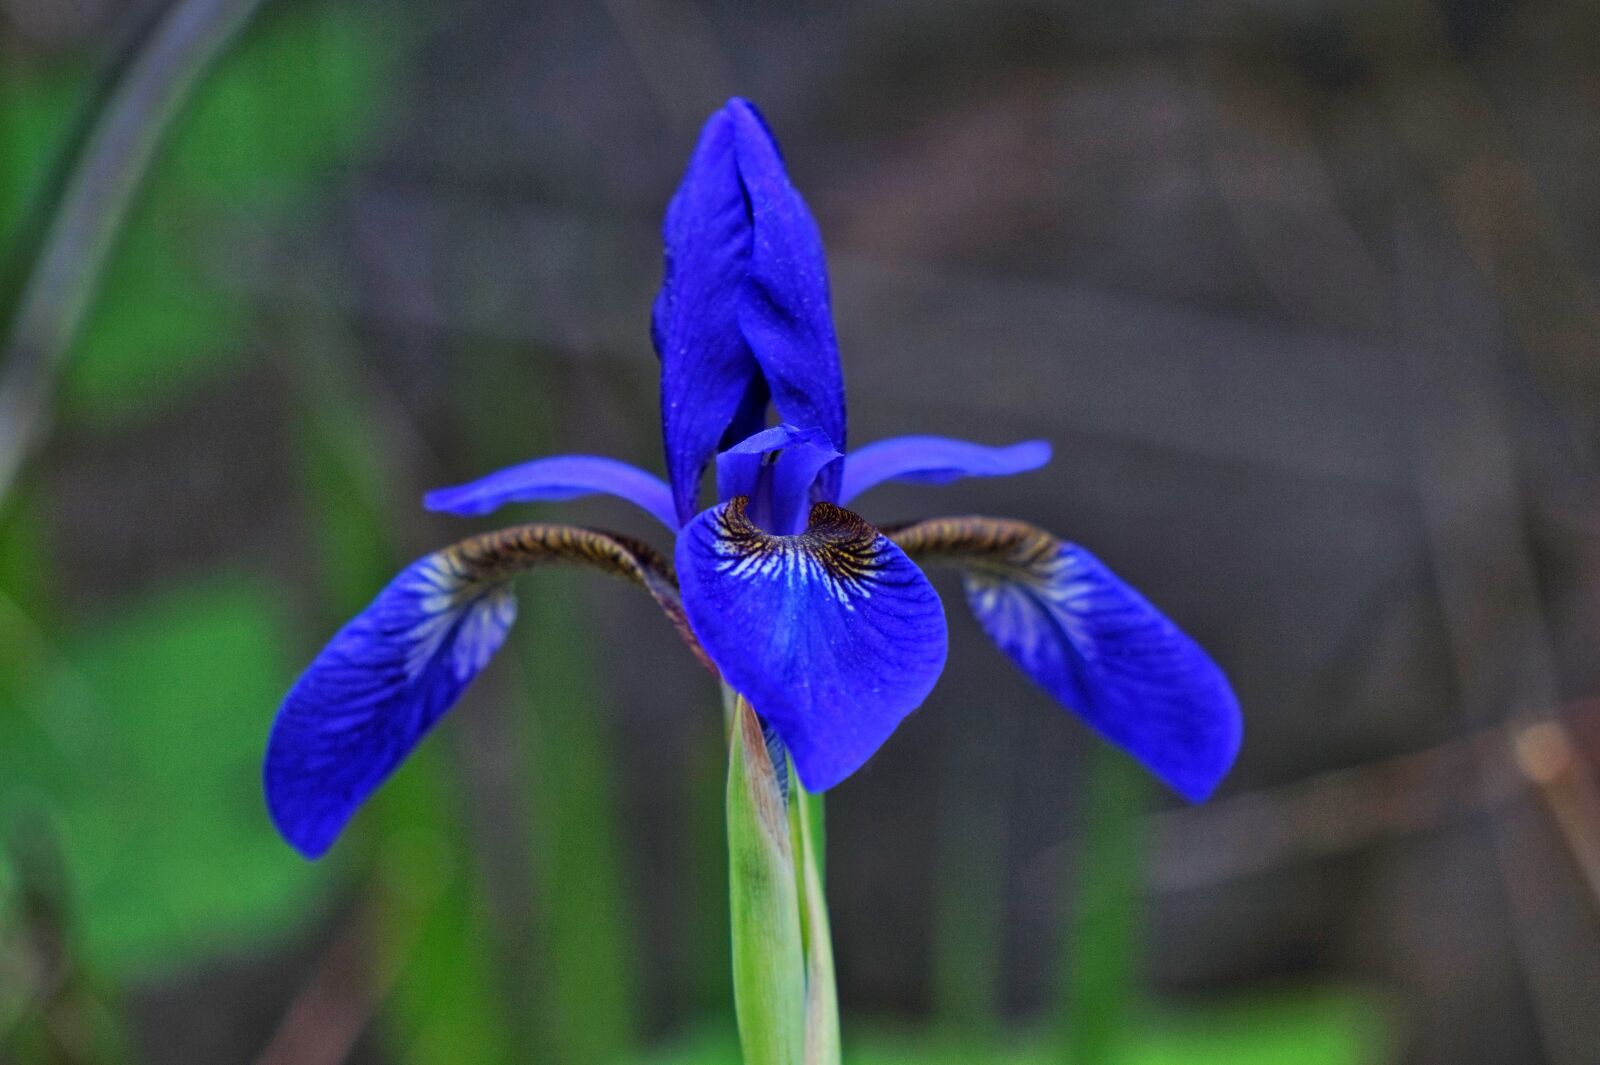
1303 292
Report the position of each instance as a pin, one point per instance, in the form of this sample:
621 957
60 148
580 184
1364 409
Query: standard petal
390 674
935 460
751 417
709 378
784 307
779 486
743 312
834 635
557 478
1094 643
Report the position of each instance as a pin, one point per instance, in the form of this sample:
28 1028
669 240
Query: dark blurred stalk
968 922
586 946
1474 505
1100 989
969 899
433 940
92 206
590 946
63 1017
702 940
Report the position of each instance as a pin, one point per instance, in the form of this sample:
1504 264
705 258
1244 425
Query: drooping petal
775 470
390 674
834 635
557 478
1094 643
784 307
374 692
934 460
709 378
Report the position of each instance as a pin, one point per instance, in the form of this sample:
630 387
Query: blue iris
824 622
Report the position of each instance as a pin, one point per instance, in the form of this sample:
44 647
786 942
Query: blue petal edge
374 692
833 635
1103 651
557 478
935 460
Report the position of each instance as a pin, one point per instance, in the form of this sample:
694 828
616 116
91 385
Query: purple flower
826 623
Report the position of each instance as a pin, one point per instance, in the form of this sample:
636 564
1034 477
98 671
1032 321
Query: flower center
776 470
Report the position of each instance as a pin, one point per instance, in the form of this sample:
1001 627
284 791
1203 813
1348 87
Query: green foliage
140 744
709 1045
270 125
38 106
298 96
24 569
1311 1026
157 330
1328 1027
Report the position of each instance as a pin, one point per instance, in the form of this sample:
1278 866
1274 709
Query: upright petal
1093 643
557 478
934 460
776 470
751 417
784 307
709 378
390 674
833 635
743 313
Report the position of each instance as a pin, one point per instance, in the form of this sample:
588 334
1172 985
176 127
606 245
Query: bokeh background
1303 292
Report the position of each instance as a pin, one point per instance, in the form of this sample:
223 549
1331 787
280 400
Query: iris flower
825 623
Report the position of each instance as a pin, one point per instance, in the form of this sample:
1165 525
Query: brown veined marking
496 556
983 543
521 547
839 542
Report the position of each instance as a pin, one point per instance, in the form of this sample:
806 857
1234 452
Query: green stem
769 971
822 994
